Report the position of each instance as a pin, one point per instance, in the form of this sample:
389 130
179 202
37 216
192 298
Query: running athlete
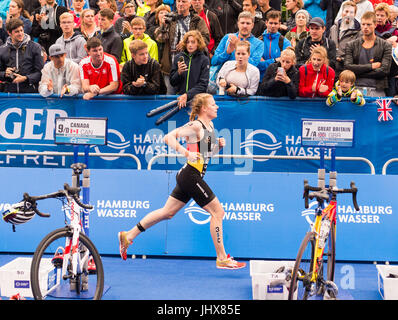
201 144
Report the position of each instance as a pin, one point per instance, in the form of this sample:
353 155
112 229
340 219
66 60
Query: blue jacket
271 49
221 55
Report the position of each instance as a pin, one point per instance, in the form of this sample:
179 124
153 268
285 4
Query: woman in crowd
300 31
122 25
239 77
77 10
384 28
88 28
189 74
292 6
16 10
316 77
281 78
111 4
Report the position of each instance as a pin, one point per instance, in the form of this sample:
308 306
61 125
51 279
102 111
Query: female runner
201 144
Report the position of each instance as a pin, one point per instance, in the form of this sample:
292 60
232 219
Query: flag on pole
384 109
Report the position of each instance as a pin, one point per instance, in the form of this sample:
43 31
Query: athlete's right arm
191 133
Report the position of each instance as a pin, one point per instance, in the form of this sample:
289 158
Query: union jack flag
384 109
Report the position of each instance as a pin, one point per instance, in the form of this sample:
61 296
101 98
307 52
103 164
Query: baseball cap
317 21
56 49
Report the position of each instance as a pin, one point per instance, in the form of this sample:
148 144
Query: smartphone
281 70
181 59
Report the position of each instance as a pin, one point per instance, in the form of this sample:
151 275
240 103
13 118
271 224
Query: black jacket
27 58
196 79
303 50
111 42
49 35
271 88
153 77
382 52
227 12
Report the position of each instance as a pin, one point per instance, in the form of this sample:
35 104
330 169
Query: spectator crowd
318 48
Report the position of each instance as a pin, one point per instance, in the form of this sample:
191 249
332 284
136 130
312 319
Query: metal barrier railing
243 156
67 154
384 169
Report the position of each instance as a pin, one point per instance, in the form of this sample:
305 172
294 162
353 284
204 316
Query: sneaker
123 244
230 263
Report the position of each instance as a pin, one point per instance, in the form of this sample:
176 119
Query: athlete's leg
216 211
168 211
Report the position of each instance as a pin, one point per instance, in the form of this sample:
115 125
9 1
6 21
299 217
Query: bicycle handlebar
324 193
71 191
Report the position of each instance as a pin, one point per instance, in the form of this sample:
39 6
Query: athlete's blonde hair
198 102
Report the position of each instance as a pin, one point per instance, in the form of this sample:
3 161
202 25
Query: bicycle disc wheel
46 268
300 283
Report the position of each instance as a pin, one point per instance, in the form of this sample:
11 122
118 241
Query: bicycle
75 264
319 244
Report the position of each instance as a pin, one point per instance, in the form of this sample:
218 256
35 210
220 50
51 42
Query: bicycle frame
73 212
328 213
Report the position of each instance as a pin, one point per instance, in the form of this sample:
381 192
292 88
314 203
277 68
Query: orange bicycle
313 272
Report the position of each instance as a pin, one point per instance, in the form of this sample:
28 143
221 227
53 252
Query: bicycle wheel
47 262
330 252
300 283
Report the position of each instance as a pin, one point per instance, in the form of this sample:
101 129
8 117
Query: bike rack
71 154
242 156
384 170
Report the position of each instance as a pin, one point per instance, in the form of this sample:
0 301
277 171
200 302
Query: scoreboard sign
85 131
327 133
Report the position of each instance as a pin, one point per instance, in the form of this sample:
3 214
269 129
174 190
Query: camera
14 73
170 16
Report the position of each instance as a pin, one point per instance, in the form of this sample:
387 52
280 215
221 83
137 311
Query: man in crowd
316 38
226 49
111 41
212 23
141 75
61 75
369 57
46 24
274 42
21 60
72 41
138 27
259 24
345 30
99 72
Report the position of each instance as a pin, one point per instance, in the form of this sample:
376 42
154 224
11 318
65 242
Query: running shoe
230 263
123 244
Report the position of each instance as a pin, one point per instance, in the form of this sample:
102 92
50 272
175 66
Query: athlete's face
211 108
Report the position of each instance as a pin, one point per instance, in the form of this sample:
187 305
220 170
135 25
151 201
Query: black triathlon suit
190 183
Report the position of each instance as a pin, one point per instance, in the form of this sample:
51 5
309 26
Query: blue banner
264 213
256 125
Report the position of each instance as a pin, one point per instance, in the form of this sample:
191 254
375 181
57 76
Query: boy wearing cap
316 38
61 75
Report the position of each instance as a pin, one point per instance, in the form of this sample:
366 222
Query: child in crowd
345 87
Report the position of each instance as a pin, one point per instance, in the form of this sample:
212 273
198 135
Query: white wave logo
250 143
121 145
194 212
309 213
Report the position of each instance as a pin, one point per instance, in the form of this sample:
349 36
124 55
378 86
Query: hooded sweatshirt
74 47
272 49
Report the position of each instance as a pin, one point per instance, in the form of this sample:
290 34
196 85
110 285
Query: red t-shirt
102 76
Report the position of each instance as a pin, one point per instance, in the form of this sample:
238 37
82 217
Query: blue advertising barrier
255 125
264 213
